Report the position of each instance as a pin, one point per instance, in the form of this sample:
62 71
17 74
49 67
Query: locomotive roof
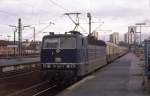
70 33
111 44
61 35
94 41
90 39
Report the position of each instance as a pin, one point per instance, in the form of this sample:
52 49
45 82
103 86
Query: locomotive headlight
68 66
48 66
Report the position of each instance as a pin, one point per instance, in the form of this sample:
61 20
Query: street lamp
33 31
14 36
14 32
8 37
140 25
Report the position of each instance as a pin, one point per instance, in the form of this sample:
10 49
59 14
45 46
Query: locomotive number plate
57 59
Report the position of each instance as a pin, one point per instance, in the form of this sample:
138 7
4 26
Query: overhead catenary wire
38 32
16 15
61 7
33 7
8 13
58 5
82 29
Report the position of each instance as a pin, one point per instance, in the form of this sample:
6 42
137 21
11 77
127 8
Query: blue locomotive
72 55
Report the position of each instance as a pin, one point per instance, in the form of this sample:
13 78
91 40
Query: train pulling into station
72 55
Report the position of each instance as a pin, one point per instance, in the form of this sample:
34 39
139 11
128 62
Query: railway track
44 92
35 90
44 88
18 70
19 81
18 75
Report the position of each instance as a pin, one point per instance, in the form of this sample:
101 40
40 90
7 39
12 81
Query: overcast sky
115 15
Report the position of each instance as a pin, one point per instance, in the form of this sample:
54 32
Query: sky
107 16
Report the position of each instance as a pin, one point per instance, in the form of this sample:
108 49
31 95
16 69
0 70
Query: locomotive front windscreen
59 42
52 43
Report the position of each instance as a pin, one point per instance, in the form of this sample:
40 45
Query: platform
123 77
19 61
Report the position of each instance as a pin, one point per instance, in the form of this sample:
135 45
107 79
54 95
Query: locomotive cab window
59 42
67 43
52 43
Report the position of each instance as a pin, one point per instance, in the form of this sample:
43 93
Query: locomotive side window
52 43
67 43
82 42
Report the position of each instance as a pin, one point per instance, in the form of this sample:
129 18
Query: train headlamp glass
68 66
48 66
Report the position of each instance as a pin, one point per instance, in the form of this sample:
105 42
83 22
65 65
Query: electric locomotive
71 55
